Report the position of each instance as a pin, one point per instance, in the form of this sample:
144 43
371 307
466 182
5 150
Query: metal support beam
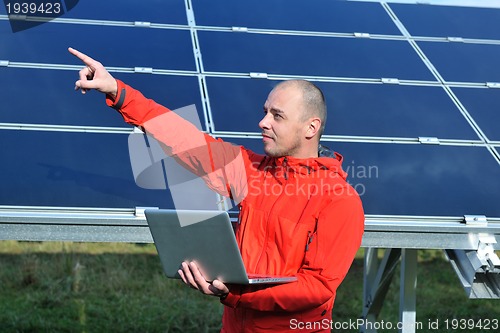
407 293
478 270
371 264
377 280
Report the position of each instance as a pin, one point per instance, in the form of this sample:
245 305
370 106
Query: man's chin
272 153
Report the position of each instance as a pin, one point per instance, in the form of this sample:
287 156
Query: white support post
371 269
408 287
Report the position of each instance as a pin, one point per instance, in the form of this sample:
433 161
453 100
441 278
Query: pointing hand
94 76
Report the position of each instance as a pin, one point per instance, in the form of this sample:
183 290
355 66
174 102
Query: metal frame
473 245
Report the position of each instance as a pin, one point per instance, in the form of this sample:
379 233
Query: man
298 216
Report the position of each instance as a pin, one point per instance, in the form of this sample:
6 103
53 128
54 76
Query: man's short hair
313 99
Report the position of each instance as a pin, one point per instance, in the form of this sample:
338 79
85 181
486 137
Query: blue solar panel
354 109
306 55
71 169
157 11
424 179
447 21
484 106
53 168
128 46
322 15
464 62
57 103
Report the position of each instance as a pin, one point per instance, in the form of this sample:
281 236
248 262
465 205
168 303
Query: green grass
103 287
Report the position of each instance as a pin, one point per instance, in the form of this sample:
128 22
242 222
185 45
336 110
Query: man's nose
264 123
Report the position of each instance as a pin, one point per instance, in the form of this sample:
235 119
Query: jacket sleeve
337 238
220 164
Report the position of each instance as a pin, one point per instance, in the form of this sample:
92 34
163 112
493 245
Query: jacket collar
326 160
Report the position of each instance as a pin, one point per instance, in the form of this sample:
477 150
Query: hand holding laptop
191 275
207 239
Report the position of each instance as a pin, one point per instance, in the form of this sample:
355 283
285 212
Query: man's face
282 125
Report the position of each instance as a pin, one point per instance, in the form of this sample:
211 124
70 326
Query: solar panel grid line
325 137
361 139
31 65
209 119
470 3
455 40
297 32
191 18
464 143
138 24
111 69
280 77
473 85
494 152
106 212
276 31
65 128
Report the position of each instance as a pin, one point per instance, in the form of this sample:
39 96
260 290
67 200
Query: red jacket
297 217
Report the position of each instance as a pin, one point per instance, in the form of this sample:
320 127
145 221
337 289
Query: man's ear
313 126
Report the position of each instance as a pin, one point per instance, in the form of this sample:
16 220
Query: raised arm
220 164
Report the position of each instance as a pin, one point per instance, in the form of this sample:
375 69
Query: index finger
83 57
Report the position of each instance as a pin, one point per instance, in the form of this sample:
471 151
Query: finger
86 85
83 57
181 273
77 87
86 74
202 283
198 277
221 287
189 276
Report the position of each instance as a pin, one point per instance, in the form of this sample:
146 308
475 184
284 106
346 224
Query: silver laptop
205 237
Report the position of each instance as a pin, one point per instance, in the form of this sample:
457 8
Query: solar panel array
412 92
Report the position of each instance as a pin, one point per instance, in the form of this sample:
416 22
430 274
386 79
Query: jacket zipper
269 217
285 168
310 236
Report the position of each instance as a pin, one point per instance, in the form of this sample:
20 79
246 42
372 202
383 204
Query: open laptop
205 237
